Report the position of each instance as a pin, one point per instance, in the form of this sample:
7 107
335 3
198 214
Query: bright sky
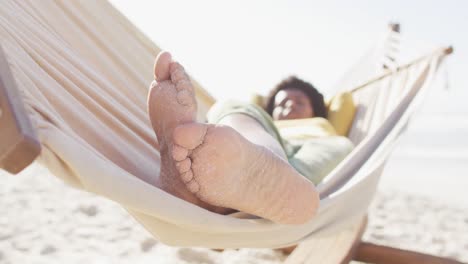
235 47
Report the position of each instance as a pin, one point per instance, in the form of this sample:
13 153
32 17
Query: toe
187 176
190 135
179 153
184 85
156 92
185 97
177 72
162 66
184 165
193 186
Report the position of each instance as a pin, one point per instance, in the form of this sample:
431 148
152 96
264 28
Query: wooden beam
395 27
444 51
371 253
19 145
390 50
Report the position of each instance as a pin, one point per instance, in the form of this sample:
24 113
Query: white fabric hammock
84 72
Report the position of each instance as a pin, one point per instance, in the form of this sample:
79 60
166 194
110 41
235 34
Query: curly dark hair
315 97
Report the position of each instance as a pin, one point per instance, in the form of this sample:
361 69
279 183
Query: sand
44 221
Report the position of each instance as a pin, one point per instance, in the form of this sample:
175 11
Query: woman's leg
235 164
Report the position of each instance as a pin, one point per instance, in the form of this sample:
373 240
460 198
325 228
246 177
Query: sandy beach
44 221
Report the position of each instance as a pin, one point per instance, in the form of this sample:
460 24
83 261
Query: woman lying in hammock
236 161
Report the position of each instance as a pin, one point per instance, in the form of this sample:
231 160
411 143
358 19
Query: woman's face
292 103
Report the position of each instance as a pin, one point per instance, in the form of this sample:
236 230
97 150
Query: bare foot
219 167
170 103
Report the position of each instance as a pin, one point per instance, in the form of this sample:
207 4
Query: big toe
190 135
162 66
